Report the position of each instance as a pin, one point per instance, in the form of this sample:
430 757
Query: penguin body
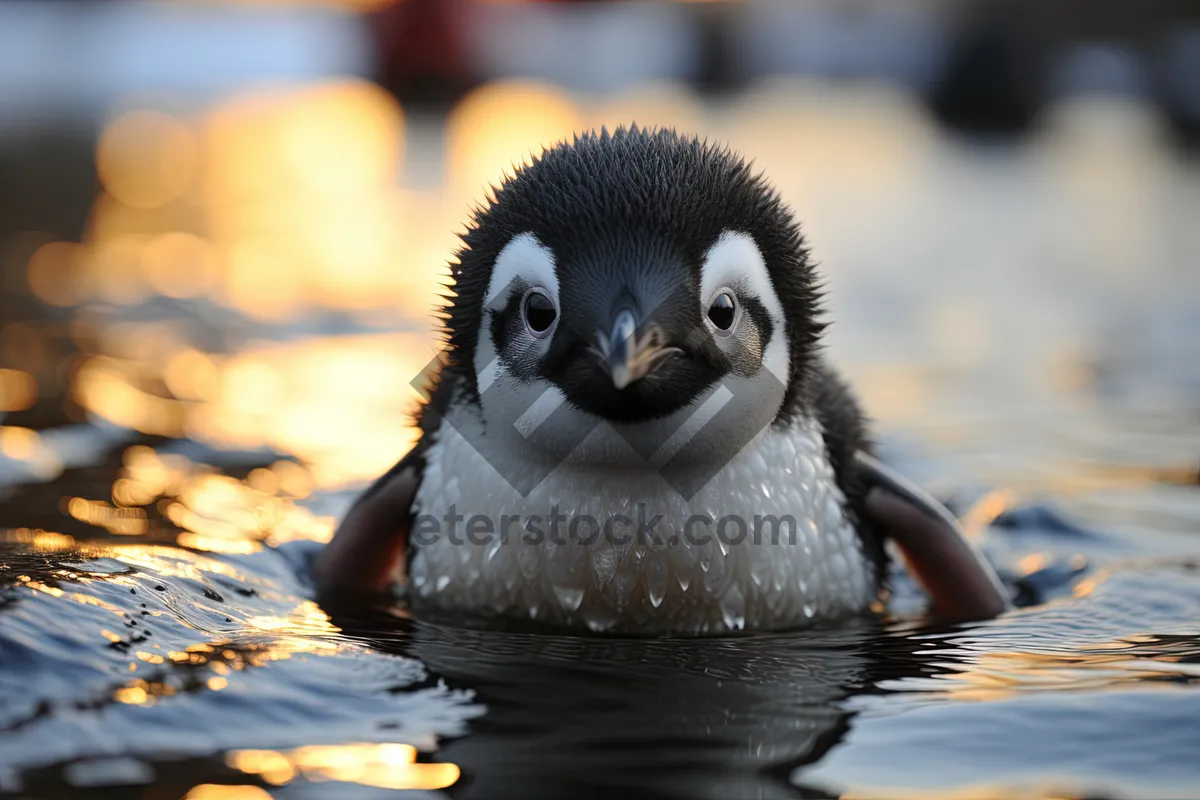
766 543
634 429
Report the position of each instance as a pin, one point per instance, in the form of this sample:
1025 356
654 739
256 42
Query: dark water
155 668
1023 322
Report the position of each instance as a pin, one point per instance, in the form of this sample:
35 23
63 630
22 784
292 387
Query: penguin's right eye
539 313
722 311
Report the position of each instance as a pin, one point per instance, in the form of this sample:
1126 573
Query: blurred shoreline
207 210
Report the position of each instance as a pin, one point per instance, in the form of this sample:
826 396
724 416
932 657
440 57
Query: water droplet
733 608
569 597
598 619
442 582
492 550
715 576
656 581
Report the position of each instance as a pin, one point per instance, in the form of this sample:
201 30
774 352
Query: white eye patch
526 259
522 264
735 261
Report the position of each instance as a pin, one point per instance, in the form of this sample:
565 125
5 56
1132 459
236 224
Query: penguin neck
552 435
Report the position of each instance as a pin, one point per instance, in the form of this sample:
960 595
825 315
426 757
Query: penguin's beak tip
621 375
628 356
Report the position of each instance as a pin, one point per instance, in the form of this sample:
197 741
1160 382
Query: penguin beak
628 355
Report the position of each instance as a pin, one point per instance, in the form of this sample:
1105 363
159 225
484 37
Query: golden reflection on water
1001 675
212 666
206 510
18 443
986 510
343 406
217 791
39 540
146 159
388 766
18 390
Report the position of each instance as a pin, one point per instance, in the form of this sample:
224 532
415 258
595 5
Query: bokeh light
499 126
388 766
145 159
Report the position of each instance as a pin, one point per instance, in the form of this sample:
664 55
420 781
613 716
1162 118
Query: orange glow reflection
301 200
180 264
217 513
1000 675
217 791
40 540
18 390
987 509
52 271
388 766
502 124
122 521
343 405
26 445
146 158
277 201
19 443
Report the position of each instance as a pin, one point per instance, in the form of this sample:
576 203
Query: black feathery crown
635 182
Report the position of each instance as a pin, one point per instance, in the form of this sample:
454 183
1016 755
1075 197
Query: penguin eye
722 311
539 313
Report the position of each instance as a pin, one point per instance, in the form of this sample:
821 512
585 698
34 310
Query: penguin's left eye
539 313
722 311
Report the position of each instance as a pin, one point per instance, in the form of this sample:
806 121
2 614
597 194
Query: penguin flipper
961 583
373 537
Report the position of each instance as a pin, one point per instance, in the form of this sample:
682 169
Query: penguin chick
635 429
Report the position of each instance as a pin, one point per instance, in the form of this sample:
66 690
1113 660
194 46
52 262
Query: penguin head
629 278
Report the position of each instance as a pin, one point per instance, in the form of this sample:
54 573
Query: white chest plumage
764 544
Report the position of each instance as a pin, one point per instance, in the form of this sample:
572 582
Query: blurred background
223 224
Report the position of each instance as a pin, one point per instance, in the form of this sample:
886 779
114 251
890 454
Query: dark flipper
961 583
373 537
